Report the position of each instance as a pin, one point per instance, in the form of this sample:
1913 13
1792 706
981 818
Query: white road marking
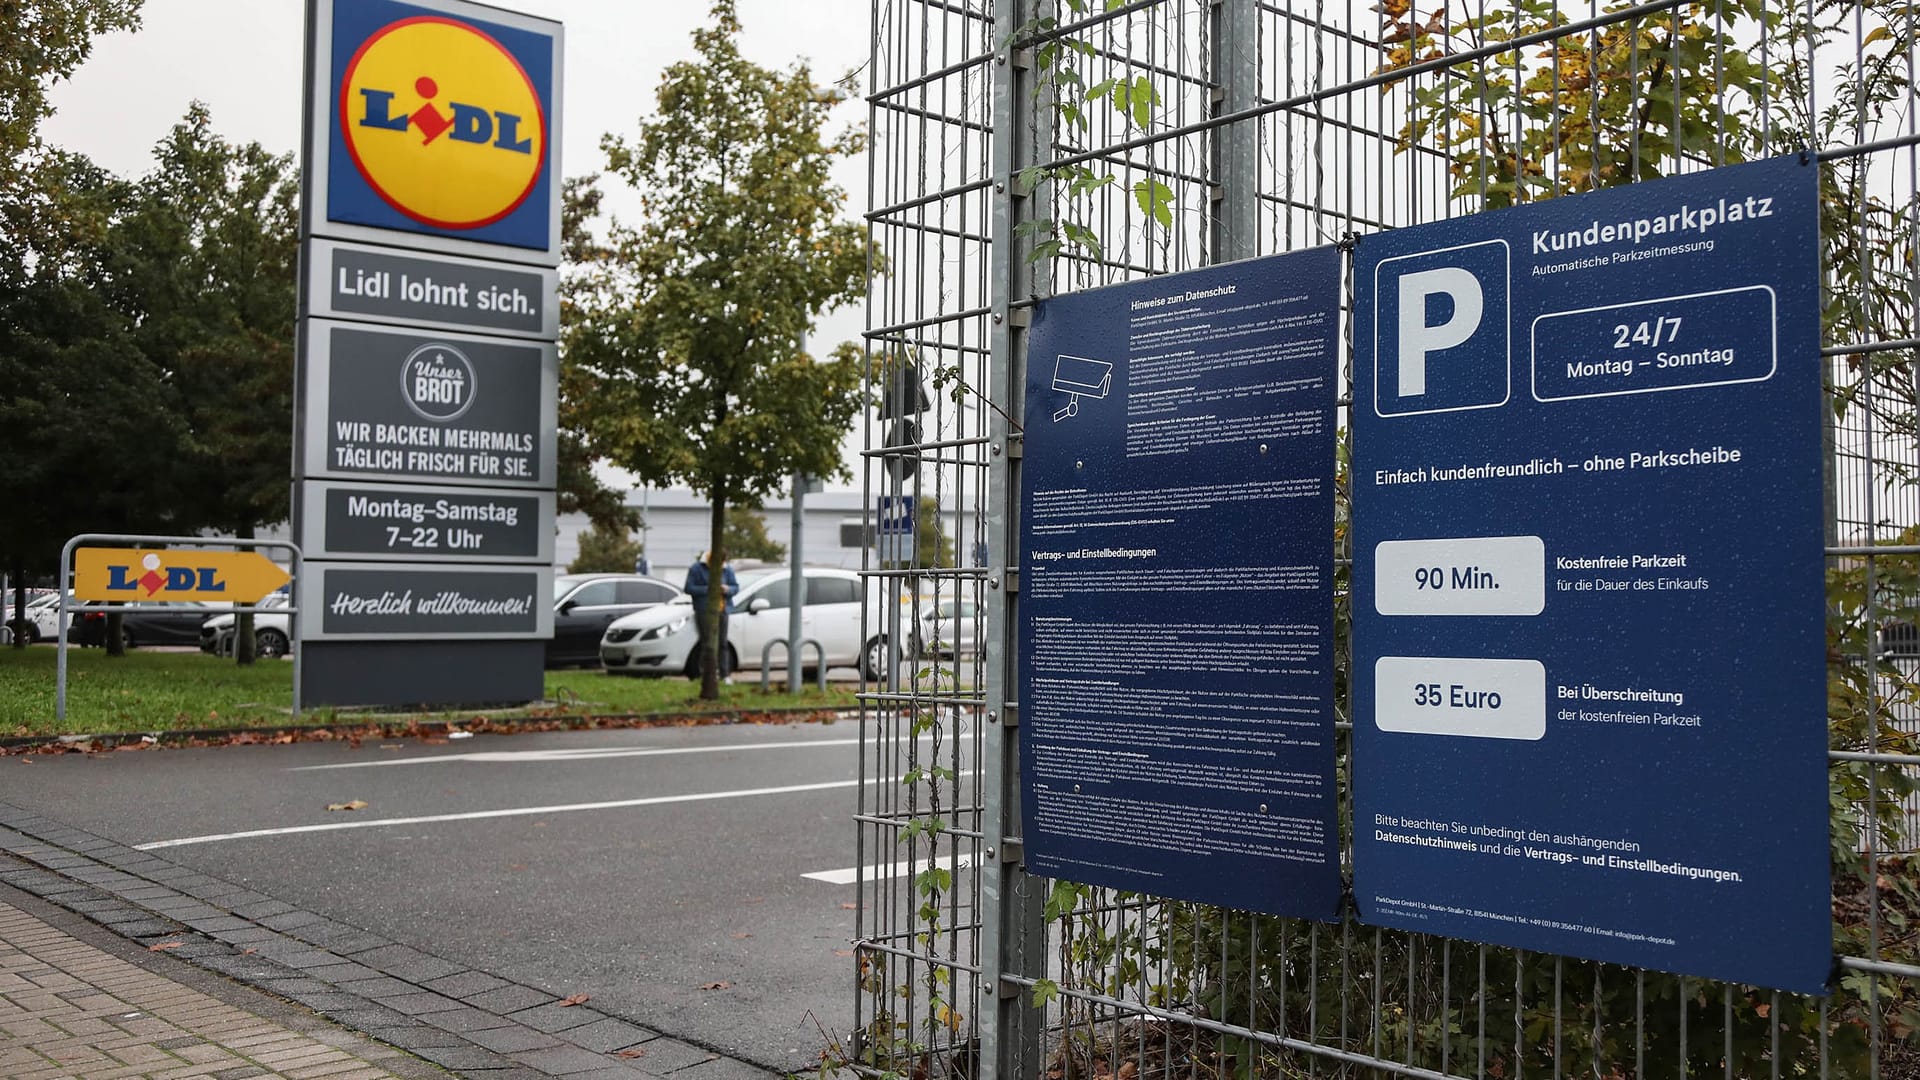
577 754
525 811
849 875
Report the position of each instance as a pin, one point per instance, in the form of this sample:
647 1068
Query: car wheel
271 644
873 660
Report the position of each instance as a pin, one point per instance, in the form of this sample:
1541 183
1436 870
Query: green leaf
1142 100
1061 900
934 879
1156 200
1044 991
1083 236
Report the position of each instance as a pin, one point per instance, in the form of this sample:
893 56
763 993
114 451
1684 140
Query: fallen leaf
632 1052
357 804
849 907
571 1000
843 952
165 945
721 985
1128 1070
248 952
742 936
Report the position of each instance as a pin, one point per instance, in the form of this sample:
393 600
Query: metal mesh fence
1024 148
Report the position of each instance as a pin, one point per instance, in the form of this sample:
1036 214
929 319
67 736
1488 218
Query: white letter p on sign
1417 339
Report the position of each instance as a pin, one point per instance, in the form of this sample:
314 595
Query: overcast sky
244 58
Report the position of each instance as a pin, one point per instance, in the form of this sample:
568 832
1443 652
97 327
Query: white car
660 641
656 641
947 629
43 618
272 630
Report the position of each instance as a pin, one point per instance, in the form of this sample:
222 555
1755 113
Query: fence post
1233 59
1012 933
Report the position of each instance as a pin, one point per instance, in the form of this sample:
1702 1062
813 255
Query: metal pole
60 650
1235 148
1012 932
797 589
297 642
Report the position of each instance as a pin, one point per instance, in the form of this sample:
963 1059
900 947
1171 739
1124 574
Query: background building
677 527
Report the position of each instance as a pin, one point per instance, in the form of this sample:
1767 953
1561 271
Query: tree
205 261
580 491
606 550
686 345
747 538
91 422
42 42
49 203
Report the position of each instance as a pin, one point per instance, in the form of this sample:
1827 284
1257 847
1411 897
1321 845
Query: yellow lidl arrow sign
141 574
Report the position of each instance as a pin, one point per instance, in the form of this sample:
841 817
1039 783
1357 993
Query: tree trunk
716 600
19 604
244 647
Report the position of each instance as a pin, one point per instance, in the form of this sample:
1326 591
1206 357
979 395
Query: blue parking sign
1589 678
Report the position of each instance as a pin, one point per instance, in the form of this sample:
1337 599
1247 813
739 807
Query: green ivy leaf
1044 990
1155 200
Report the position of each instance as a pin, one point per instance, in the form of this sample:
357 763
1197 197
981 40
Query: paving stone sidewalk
475 1023
72 1011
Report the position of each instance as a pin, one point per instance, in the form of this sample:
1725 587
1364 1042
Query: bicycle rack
819 669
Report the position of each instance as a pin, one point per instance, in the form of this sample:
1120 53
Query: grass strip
149 692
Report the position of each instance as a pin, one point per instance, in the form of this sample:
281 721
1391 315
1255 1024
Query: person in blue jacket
696 586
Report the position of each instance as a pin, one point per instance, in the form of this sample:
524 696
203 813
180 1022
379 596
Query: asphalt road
696 881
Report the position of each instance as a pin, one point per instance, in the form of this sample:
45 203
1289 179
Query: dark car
164 622
584 605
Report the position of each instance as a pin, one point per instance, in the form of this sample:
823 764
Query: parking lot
664 872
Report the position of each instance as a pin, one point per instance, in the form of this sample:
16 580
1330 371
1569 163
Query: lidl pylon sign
427 370
438 123
139 575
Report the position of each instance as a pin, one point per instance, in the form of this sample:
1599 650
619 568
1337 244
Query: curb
470 1021
195 737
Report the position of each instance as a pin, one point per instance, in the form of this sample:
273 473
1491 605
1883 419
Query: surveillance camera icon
1078 377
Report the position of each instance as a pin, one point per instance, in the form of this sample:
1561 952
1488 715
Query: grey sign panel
412 522
353 281
440 407
412 602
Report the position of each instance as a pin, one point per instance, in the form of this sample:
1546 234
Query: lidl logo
441 125
134 575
